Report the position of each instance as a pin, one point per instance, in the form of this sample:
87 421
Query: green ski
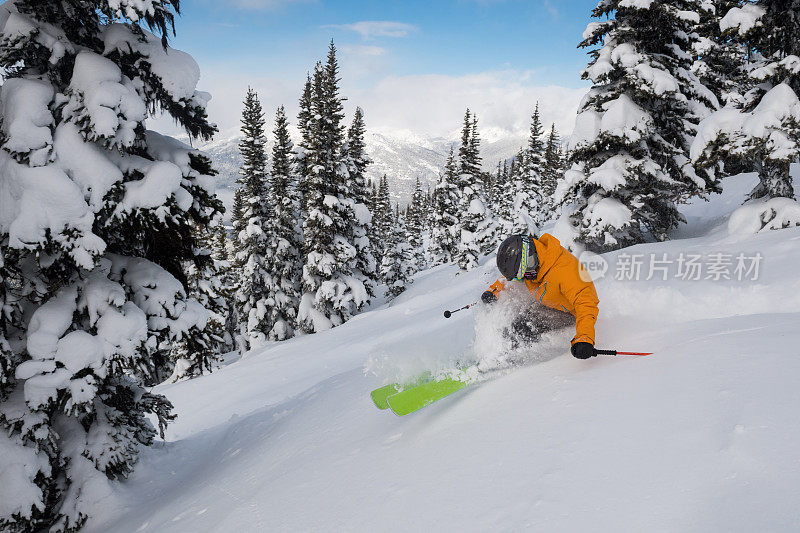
414 399
380 395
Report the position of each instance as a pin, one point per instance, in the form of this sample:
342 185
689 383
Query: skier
554 278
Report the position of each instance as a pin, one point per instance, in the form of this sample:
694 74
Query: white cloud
427 105
551 8
434 104
364 50
369 29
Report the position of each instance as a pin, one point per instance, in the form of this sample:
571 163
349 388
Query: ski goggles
523 262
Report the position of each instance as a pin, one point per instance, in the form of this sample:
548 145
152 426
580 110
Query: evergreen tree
284 241
530 209
446 199
229 279
382 222
305 120
535 161
428 208
92 287
396 265
553 169
503 199
255 278
333 292
200 348
365 266
630 146
414 224
718 59
477 230
763 126
238 222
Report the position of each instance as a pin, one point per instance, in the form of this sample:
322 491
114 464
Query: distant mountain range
402 156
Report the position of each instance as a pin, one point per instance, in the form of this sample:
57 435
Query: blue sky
411 64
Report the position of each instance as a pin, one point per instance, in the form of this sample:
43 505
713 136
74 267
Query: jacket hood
549 250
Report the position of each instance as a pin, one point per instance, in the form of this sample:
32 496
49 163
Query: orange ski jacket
559 285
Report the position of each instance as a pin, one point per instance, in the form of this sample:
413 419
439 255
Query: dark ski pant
528 327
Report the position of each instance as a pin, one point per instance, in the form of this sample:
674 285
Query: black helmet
517 258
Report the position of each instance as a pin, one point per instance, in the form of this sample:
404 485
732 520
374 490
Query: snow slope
700 436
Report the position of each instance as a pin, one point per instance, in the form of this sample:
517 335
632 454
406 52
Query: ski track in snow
700 436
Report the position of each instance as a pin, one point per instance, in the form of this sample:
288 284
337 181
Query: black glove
583 350
489 297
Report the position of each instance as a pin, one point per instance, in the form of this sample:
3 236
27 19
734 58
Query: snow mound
756 216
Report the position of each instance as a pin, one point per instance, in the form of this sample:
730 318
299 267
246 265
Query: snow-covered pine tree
477 228
535 162
630 146
718 59
229 278
396 264
502 199
446 199
415 220
304 122
333 292
373 199
199 351
553 169
428 225
284 240
764 125
98 216
238 222
382 222
361 220
255 279
529 208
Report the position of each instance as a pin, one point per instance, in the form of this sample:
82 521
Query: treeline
302 242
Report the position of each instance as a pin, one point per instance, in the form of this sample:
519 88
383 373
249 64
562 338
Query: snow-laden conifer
552 172
333 288
98 217
476 226
762 126
528 211
719 60
415 220
445 226
503 200
284 240
199 351
304 122
255 278
630 146
381 217
228 277
397 262
361 221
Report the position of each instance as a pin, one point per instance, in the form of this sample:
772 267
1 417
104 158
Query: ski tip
379 396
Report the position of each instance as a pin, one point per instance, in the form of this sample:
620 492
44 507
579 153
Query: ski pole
448 314
615 352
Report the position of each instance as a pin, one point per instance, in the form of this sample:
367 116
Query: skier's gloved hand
489 297
583 350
